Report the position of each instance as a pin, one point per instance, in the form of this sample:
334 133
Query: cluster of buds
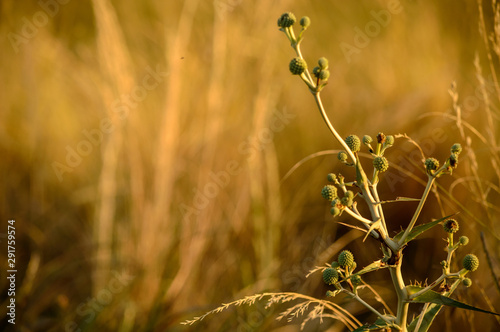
470 262
340 271
298 65
432 164
380 164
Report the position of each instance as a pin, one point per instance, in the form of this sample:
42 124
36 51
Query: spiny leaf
431 312
416 231
401 199
436 298
377 265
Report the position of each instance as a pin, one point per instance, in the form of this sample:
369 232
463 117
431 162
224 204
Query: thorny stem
402 293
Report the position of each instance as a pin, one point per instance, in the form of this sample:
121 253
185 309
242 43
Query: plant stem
430 182
330 126
402 293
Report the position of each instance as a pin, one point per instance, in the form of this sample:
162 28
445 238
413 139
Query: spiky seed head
324 74
329 192
470 262
451 226
389 140
346 258
286 20
335 211
323 63
463 240
367 139
305 22
335 265
467 282
342 156
456 148
297 66
380 163
353 142
330 276
356 280
331 177
381 138
349 194
431 164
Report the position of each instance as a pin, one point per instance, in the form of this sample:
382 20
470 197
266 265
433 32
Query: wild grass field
147 146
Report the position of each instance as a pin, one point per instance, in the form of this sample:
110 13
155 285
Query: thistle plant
342 276
344 195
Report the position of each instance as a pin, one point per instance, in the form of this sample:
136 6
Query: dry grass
131 210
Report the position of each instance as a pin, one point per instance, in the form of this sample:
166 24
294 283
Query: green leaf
377 265
416 231
436 298
431 312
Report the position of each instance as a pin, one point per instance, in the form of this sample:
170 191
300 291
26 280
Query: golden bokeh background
145 146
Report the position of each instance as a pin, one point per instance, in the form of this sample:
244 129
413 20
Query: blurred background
145 146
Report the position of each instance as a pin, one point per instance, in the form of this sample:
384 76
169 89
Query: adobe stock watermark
121 107
255 319
363 37
91 307
222 7
295 276
249 148
30 27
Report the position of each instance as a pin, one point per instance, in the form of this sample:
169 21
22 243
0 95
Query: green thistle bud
297 66
342 156
353 143
324 74
451 226
467 282
456 148
323 63
329 192
330 276
444 264
453 160
463 240
305 22
335 211
389 140
346 258
335 265
431 164
349 194
367 139
381 138
316 71
346 201
331 177
380 164
286 20
470 262
356 280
